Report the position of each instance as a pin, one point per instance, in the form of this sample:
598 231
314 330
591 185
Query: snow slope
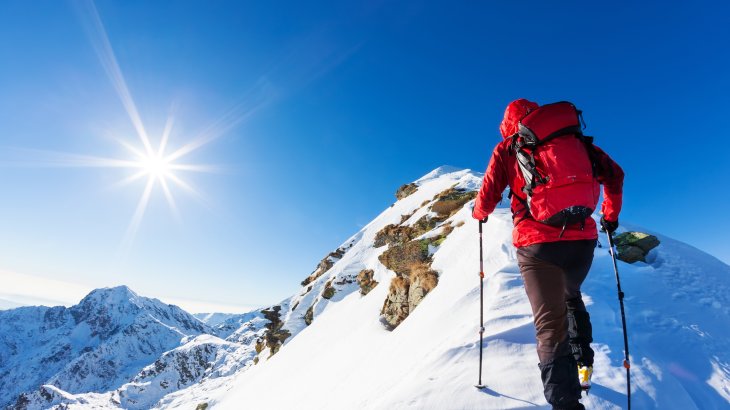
677 307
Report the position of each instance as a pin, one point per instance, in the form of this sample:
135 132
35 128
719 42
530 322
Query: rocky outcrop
451 200
328 291
427 223
406 292
366 281
634 246
309 315
402 257
411 263
394 234
398 234
422 281
395 309
409 258
275 334
325 265
405 190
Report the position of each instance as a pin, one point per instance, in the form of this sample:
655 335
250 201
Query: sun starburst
158 168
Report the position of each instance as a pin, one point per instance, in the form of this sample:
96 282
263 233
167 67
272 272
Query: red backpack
558 164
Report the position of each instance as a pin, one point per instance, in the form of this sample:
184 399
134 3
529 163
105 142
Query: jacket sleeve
612 177
493 185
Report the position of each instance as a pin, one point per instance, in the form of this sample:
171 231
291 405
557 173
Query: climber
554 174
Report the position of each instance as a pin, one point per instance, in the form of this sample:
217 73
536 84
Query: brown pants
553 273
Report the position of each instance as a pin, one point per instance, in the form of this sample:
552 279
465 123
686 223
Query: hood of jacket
516 110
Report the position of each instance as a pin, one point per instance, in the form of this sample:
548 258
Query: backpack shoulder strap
596 166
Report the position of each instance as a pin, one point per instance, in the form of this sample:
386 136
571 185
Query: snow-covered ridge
329 342
430 360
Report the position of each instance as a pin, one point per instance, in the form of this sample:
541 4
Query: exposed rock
630 254
202 406
366 281
445 232
399 234
395 309
426 223
325 265
328 291
400 258
451 200
394 234
275 335
411 262
345 280
406 190
404 218
423 280
309 316
634 246
45 397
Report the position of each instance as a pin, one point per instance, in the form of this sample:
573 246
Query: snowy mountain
389 320
97 345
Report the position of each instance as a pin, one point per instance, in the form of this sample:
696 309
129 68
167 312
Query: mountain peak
440 171
112 296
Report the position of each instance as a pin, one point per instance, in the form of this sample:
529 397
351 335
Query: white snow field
677 309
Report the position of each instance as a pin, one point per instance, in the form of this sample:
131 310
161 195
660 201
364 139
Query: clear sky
307 116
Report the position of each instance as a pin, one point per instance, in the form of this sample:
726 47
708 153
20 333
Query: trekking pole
627 365
481 305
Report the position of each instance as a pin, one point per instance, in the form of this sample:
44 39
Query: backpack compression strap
526 162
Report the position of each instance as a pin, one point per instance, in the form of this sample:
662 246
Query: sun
158 168
155 166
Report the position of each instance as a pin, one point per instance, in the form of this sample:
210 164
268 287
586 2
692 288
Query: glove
608 226
480 220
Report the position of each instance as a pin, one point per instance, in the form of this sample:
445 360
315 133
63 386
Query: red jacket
503 171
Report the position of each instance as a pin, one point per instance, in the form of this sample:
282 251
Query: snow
346 359
677 310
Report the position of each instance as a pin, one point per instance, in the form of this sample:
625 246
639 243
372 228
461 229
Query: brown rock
451 201
366 281
423 280
400 258
309 316
406 190
395 309
328 291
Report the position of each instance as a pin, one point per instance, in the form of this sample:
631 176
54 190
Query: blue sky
324 109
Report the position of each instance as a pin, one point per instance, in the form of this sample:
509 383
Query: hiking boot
578 406
584 376
560 381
